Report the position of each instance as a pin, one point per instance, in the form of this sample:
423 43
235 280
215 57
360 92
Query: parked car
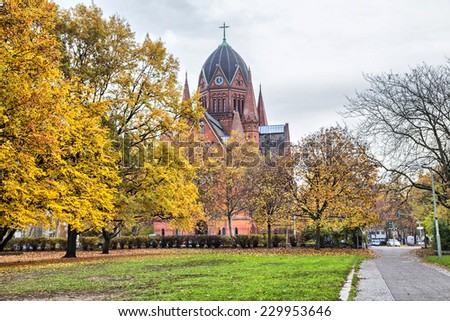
410 240
393 242
376 243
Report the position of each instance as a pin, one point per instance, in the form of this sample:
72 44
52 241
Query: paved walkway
398 275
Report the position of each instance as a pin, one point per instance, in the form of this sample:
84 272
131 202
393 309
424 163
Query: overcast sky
307 55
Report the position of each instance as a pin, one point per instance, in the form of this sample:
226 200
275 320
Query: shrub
227 241
130 241
146 241
41 243
122 241
51 244
444 232
191 241
114 243
293 241
201 240
61 243
276 240
89 243
209 240
153 241
217 241
13 244
256 240
179 241
138 241
23 243
171 240
243 241
163 241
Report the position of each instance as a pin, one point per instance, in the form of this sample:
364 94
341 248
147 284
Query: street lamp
436 222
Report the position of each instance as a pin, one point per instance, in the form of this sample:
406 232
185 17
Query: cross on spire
224 26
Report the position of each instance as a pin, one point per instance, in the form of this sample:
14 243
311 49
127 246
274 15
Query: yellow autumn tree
32 115
421 202
270 198
88 173
138 84
168 191
223 180
55 152
334 183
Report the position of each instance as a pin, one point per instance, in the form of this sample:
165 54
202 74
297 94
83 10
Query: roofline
214 132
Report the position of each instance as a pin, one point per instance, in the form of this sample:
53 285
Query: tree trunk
4 241
425 242
71 243
317 246
107 242
229 225
269 235
231 231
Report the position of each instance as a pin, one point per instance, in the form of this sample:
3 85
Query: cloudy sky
307 55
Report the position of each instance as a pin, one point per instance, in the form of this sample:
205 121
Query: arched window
234 104
224 231
214 105
163 232
202 127
223 105
218 232
236 231
239 106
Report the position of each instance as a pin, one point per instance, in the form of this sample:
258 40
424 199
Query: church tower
226 88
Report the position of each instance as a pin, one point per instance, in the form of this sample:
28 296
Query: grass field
199 276
445 261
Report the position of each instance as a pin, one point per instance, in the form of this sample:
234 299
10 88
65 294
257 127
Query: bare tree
406 118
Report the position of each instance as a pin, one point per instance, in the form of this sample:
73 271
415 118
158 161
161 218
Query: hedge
89 243
37 243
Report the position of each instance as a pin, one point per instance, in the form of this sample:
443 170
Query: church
227 94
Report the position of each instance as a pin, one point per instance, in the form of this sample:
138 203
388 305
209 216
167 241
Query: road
398 275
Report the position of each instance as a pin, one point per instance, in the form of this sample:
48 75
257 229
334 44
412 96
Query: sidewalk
397 274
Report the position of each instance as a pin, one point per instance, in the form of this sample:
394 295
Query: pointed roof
236 125
261 110
287 136
186 93
250 113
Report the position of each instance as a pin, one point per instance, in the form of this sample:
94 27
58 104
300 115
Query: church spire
186 93
236 125
250 113
261 109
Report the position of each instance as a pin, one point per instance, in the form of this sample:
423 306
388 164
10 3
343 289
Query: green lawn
212 276
445 261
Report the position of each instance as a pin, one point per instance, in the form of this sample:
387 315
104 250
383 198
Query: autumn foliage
335 181
79 95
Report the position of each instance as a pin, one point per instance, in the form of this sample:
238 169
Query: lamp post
295 227
436 222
